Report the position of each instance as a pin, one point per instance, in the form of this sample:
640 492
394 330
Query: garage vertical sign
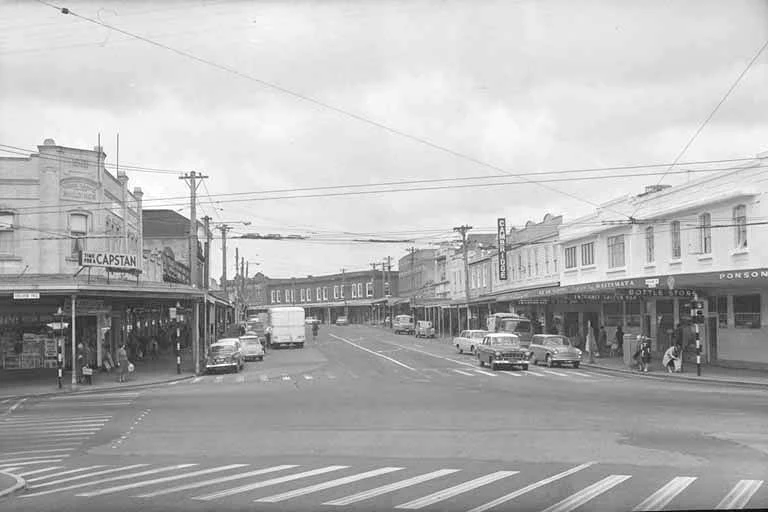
502 229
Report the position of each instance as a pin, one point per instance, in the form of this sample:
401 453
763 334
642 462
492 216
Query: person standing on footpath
602 340
620 340
122 361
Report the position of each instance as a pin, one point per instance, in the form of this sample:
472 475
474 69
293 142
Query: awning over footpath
49 285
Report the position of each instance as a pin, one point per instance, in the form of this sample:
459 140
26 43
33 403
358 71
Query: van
287 327
404 323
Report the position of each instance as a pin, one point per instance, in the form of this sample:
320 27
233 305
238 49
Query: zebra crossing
402 488
463 372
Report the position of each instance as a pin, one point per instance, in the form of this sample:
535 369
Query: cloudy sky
522 86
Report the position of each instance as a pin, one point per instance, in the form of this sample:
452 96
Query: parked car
468 340
499 349
225 354
404 323
554 350
252 347
424 329
342 320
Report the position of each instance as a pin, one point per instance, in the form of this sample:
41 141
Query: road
363 419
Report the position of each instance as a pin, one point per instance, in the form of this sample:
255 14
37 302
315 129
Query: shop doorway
712 325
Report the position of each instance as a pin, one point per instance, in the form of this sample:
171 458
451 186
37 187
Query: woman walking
122 361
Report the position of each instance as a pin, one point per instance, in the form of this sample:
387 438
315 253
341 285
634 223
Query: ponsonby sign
108 260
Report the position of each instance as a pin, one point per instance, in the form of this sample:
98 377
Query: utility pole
206 282
374 308
343 286
463 231
224 228
194 179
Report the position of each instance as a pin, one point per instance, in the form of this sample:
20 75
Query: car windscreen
222 350
477 334
506 340
560 340
250 341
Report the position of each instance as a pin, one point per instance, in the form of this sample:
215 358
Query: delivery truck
287 328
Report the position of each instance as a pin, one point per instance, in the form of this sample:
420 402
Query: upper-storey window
674 233
705 233
650 250
616 251
78 230
570 257
587 254
740 226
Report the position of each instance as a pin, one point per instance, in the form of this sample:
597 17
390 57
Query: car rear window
222 350
477 335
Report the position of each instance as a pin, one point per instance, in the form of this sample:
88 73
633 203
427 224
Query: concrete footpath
18 384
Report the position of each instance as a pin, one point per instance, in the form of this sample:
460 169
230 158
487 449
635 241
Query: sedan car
252 347
468 340
499 349
225 354
342 320
554 350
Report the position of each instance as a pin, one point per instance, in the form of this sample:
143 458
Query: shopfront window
616 251
614 315
634 314
746 311
720 306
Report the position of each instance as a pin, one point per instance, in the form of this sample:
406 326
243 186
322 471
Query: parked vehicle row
509 349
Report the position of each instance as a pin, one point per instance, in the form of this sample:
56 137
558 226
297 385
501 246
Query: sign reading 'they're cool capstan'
108 259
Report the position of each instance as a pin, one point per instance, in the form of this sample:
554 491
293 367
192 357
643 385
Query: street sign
502 244
26 295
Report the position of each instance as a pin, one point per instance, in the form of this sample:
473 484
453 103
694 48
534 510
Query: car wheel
480 360
576 365
261 358
550 363
472 349
533 360
493 365
524 367
461 351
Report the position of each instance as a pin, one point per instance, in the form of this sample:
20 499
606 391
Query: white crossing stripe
266 483
6 462
327 485
197 485
98 473
578 499
456 490
63 473
86 404
173 383
384 489
308 377
46 461
582 374
111 479
38 471
662 497
100 396
155 481
530 372
55 421
57 426
511 374
219 379
30 431
486 373
6 454
740 495
559 374
49 435
263 378
197 379
462 372
240 379
531 487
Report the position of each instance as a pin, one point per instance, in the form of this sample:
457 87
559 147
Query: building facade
417 274
167 233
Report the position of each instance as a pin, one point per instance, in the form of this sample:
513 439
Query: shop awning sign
26 295
108 260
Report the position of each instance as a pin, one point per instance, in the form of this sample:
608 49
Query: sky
309 93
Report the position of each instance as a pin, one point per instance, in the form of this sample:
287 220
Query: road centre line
173 478
205 483
532 487
373 352
587 494
111 479
327 485
384 489
266 483
450 492
662 497
740 495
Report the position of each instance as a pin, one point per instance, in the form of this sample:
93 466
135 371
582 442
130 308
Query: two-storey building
638 261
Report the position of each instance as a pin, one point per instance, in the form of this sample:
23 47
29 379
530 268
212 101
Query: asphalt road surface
363 419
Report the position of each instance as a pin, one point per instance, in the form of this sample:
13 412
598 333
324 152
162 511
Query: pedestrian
315 329
268 335
671 359
645 353
619 340
81 362
153 347
123 362
602 340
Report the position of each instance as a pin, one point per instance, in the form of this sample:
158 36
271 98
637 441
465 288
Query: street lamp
59 315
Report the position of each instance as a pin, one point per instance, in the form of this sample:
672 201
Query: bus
512 323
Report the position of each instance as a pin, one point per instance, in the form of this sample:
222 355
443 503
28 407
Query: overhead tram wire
714 110
313 101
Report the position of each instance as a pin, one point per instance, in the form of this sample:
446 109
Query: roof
166 224
226 341
501 334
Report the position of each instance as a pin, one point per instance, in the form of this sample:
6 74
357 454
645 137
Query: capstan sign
108 260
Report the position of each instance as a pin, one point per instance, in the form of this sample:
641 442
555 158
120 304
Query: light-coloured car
404 323
342 320
553 350
502 349
424 329
468 340
252 347
225 354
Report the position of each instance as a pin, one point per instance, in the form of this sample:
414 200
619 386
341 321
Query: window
288 297
616 251
530 257
740 226
354 291
722 312
546 259
6 233
360 290
78 230
485 275
650 252
705 233
325 293
570 257
341 290
536 260
554 260
369 289
319 294
272 297
746 311
587 254
335 291
520 268
302 295
674 230
277 296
